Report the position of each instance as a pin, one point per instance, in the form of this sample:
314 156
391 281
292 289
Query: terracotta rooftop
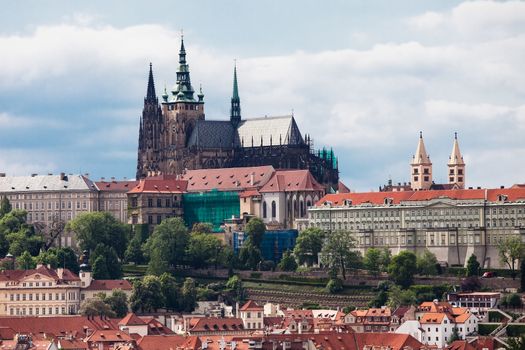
109 285
251 305
108 335
131 320
160 184
378 198
228 179
291 180
164 342
57 325
207 324
116 186
19 275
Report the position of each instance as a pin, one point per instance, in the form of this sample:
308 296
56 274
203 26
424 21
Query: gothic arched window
264 210
274 209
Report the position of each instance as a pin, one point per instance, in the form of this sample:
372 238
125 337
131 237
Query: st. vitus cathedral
174 136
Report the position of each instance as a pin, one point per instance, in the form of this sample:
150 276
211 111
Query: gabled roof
212 134
109 335
270 130
291 181
227 179
251 306
46 183
433 317
131 320
116 186
19 275
109 285
164 342
160 184
207 324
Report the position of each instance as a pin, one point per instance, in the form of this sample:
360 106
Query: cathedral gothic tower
456 165
421 167
150 129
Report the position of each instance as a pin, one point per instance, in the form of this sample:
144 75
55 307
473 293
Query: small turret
421 167
456 165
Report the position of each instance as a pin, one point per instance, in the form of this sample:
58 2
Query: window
264 210
159 219
426 178
159 202
168 204
274 209
150 203
150 219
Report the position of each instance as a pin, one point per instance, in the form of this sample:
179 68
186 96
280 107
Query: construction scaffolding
211 207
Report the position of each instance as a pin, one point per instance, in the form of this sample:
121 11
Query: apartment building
47 292
113 197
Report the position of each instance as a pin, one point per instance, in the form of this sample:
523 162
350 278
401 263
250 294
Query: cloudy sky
363 77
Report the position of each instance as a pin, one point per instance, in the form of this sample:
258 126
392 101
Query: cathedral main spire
183 91
235 110
151 96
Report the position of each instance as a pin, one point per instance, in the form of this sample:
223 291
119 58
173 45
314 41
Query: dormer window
347 202
502 198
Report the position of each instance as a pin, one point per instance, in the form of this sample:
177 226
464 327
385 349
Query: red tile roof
109 285
57 325
7 333
71 344
252 192
116 186
160 185
228 179
290 181
251 305
163 342
108 335
378 198
207 324
19 275
131 320
460 345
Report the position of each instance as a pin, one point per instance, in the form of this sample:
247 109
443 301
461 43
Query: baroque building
174 136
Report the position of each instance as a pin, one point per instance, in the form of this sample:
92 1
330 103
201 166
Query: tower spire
421 167
456 165
235 110
151 96
183 91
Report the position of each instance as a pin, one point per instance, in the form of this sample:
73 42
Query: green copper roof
235 86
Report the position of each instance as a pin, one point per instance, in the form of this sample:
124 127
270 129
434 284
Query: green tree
372 261
287 262
188 295
134 251
522 279
334 285
235 288
118 302
400 297
25 261
254 231
113 266
516 343
385 259
19 235
203 249
170 291
95 307
455 335
146 295
92 229
379 300
472 266
338 252
202 227
402 268
5 206
100 268
60 257
426 263
250 255
167 246
308 246
514 301
510 251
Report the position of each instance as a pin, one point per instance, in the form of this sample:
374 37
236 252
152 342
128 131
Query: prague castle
174 136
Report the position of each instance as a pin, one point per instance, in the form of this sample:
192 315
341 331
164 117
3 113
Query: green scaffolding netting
211 207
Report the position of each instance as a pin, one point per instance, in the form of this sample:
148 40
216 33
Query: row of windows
41 296
41 311
47 195
50 205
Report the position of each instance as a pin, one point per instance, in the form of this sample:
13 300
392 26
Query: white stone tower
421 166
456 165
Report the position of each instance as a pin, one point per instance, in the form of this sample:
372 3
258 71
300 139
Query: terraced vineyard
295 298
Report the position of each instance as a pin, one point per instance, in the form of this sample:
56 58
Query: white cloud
24 162
369 104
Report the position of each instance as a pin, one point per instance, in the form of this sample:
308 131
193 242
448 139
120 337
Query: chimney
252 178
2 174
502 187
63 176
33 175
